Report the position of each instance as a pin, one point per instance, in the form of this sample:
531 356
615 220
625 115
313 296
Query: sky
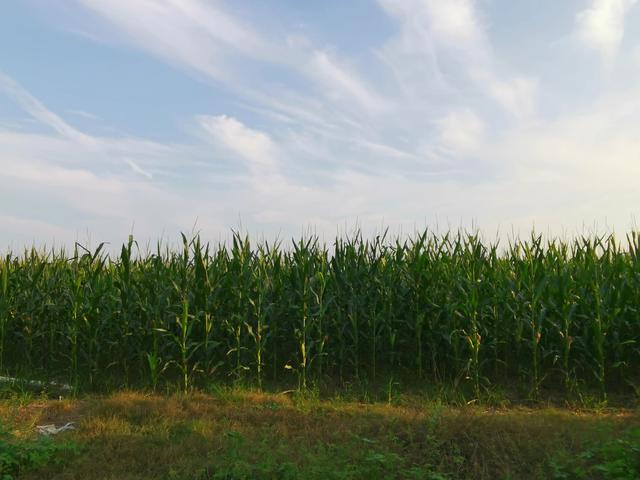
282 117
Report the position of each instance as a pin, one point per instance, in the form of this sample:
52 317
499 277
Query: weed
18 456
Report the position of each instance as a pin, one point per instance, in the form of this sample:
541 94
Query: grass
235 433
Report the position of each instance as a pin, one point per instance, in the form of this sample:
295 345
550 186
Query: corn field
431 309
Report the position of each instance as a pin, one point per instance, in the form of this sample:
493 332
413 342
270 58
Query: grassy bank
240 434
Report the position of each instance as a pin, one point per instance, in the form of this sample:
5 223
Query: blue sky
155 116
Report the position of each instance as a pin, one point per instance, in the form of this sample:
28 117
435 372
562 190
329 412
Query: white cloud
25 232
51 176
601 26
59 195
253 146
517 95
454 22
461 132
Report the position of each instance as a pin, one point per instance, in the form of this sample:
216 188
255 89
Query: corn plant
4 305
421 309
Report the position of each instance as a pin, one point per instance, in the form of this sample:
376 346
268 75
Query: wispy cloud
189 33
444 46
136 168
385 150
37 110
214 44
93 149
70 173
343 85
83 114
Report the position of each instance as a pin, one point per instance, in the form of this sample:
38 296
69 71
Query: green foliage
18 456
427 310
612 460
322 462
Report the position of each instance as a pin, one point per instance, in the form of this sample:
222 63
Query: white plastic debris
35 383
49 430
